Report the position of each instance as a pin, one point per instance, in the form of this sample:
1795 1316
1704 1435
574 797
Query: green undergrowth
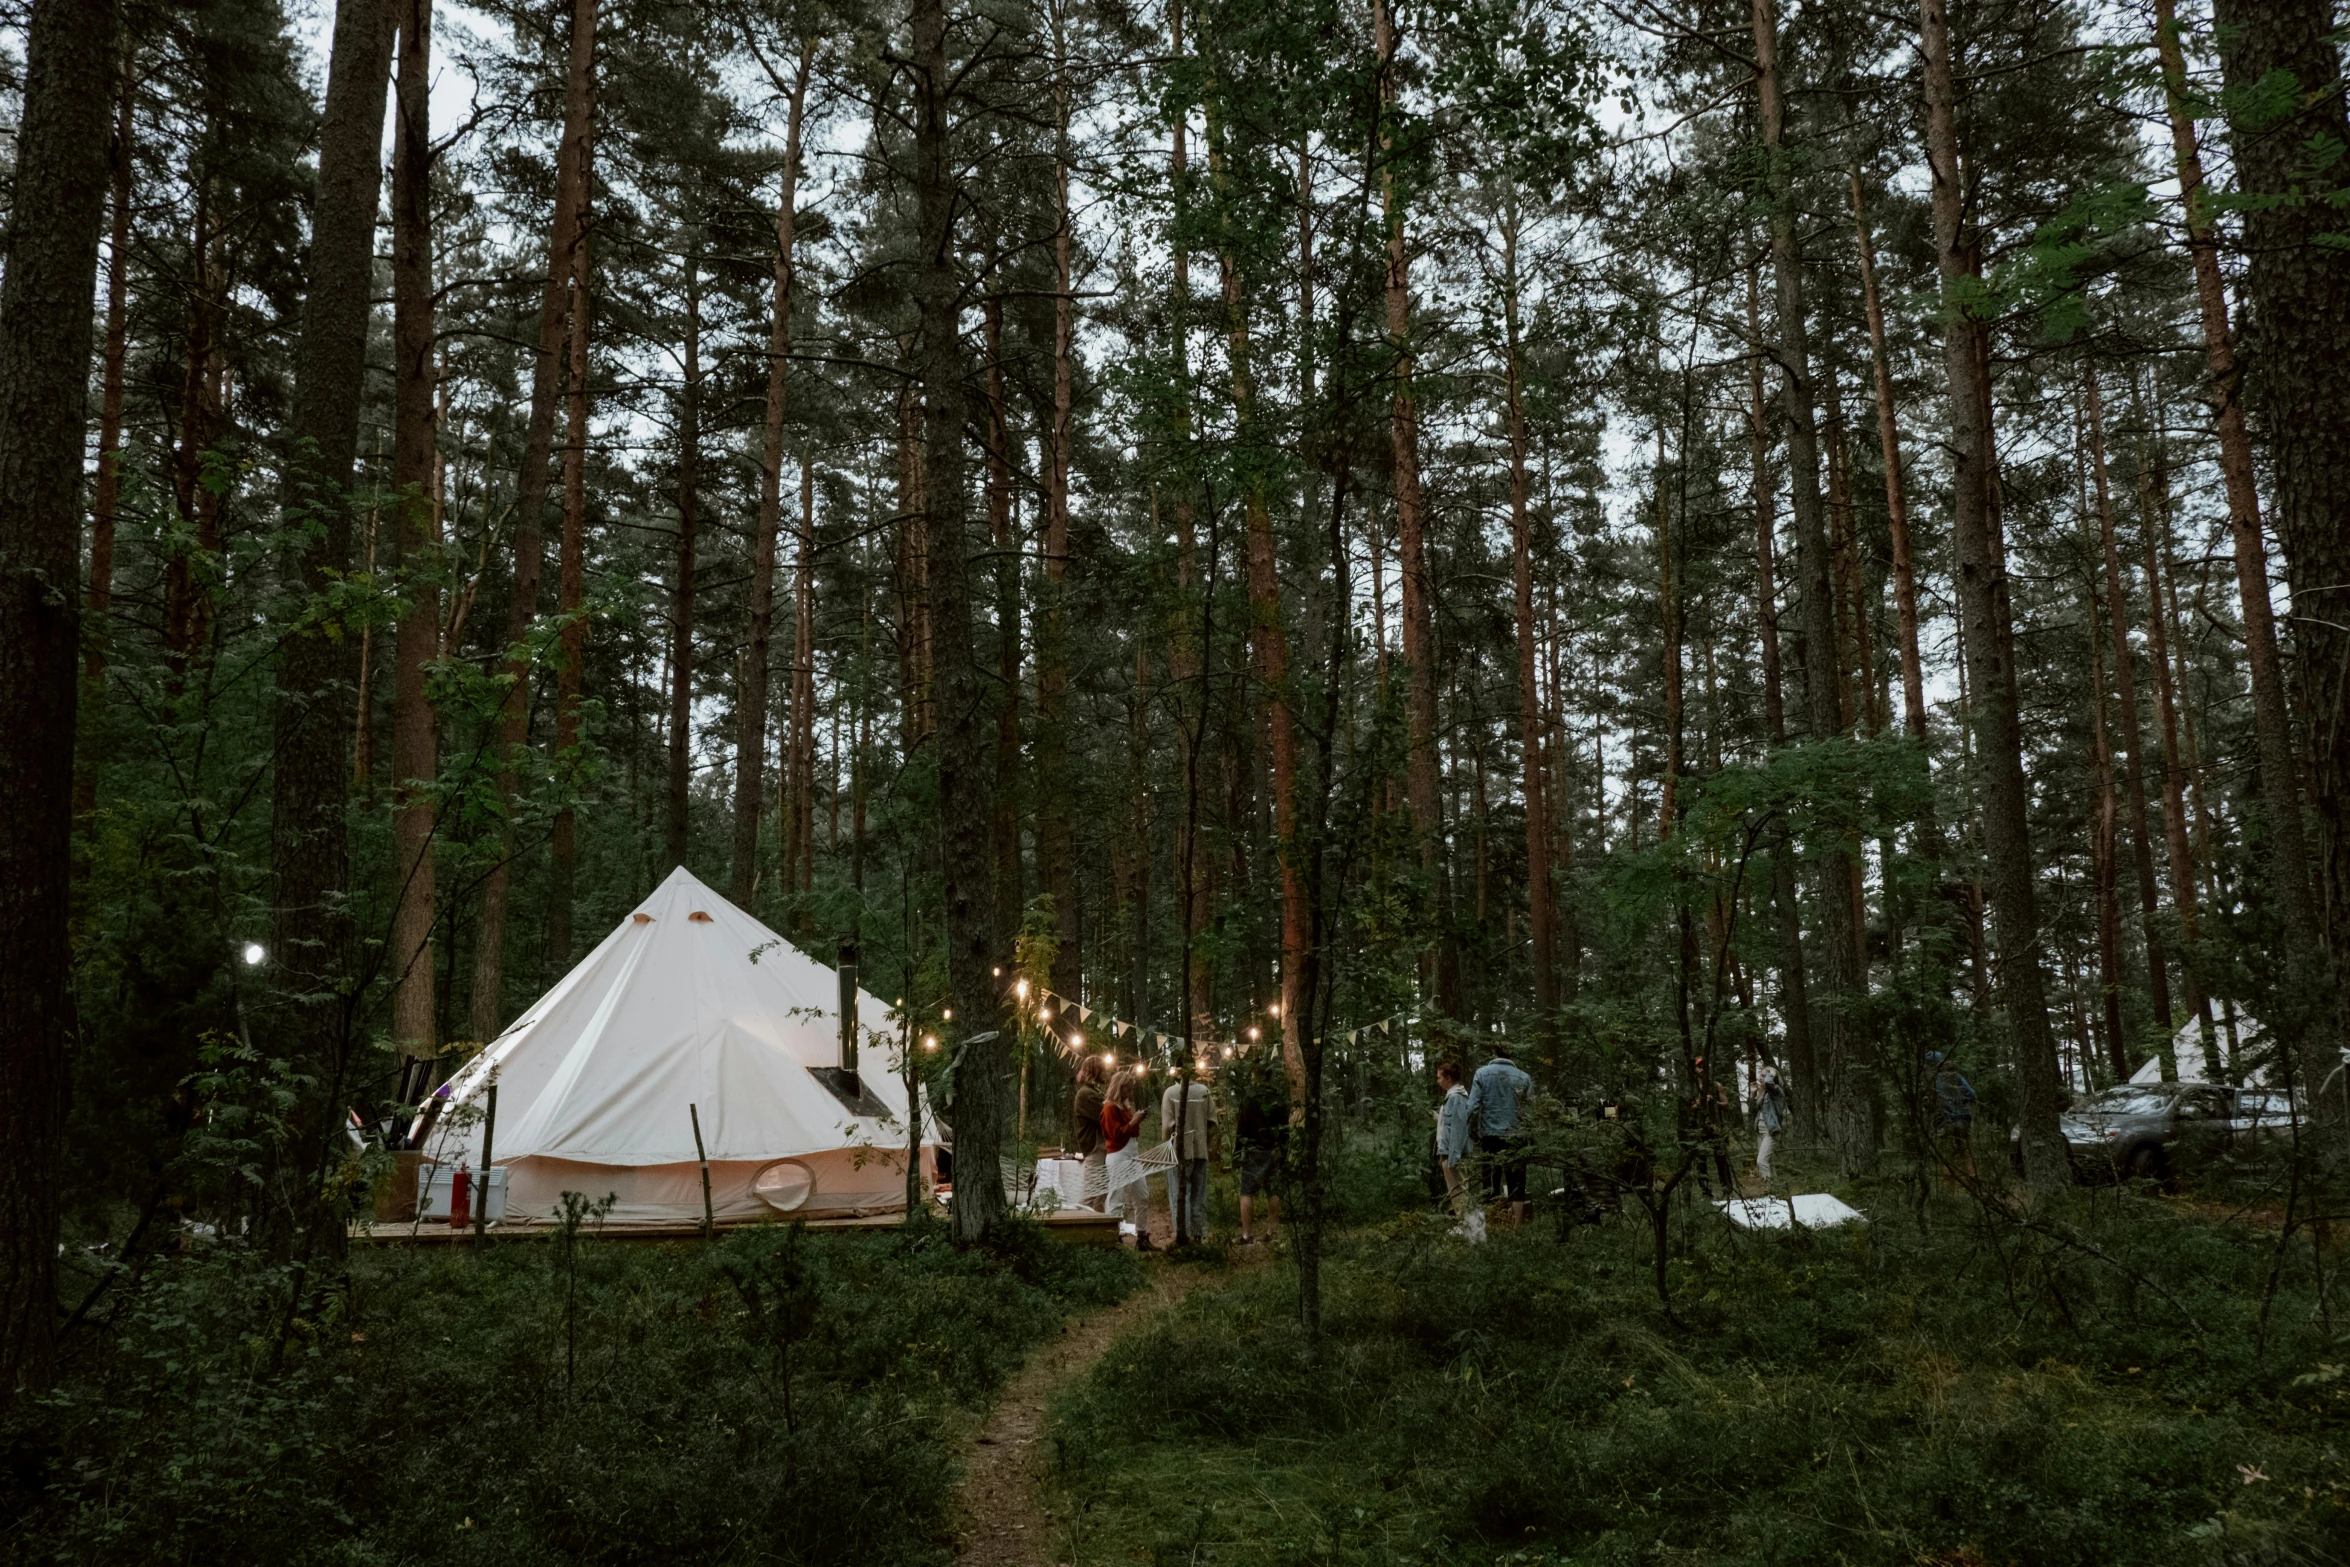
1935 1388
776 1398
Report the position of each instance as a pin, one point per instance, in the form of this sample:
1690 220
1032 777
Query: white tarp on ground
2194 1065
689 1002
1811 1211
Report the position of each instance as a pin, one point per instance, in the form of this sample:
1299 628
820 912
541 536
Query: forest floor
2117 1385
1004 1510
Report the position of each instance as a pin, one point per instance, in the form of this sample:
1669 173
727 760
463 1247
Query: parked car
2154 1130
2262 1116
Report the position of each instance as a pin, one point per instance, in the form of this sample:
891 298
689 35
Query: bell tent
690 1007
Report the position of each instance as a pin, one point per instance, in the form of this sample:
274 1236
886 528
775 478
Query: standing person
1260 1136
1452 1136
1085 1131
1769 1104
1130 1191
1187 1114
1497 1104
1954 1116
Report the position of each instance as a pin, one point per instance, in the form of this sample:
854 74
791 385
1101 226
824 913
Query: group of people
1107 1116
1486 1115
1481 1133
1483 1117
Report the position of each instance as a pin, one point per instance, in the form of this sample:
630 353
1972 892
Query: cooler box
439 1181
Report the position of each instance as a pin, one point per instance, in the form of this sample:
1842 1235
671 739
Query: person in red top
1130 1193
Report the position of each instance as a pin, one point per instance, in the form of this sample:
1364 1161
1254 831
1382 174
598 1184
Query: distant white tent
689 1003
2195 1065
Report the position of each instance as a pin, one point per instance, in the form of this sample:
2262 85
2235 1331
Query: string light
948 1014
1020 989
998 971
1252 1034
1077 1041
930 1041
1275 1009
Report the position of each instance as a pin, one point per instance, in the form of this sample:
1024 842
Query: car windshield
2127 1101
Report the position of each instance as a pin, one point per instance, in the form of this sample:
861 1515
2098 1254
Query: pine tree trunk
1055 848
1540 899
681 589
963 806
106 498
2297 350
1794 982
1846 1100
2125 688
1419 636
2103 867
1668 603
416 536
2154 529
750 708
1011 896
51 268
309 859
571 602
565 234
1905 590
803 813
1269 650
1989 645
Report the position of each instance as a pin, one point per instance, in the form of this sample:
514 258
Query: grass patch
1931 1389
776 1398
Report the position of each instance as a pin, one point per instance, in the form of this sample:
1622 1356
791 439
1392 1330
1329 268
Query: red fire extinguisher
461 1198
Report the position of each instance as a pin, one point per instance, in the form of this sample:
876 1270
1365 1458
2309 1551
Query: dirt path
1000 1520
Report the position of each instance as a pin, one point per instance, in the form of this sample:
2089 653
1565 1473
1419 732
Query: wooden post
489 1146
709 1219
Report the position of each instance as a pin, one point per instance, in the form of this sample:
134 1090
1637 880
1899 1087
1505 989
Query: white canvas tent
689 1002
2187 1050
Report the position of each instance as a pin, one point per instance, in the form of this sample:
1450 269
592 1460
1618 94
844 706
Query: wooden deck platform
1079 1226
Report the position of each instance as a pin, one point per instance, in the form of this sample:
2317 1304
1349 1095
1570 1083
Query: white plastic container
439 1181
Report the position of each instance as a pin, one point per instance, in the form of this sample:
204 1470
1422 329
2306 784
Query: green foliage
1899 1394
422 1412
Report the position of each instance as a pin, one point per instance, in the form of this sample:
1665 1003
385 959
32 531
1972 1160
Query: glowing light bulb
998 971
254 954
1275 1009
1252 1032
1077 1040
948 1014
1109 1058
930 1041
1020 989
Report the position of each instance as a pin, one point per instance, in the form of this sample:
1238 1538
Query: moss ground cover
1941 1387
770 1399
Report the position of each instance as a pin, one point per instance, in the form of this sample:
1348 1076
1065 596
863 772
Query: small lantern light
254 954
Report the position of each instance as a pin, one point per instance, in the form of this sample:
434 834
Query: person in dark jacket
1954 1116
1260 1137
